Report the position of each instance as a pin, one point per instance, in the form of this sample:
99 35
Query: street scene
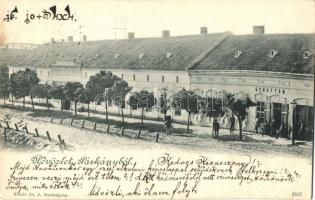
199 139
176 99
52 116
226 116
172 90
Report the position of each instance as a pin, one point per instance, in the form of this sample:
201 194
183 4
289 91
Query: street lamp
293 104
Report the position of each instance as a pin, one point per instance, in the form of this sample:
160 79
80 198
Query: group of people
216 126
273 128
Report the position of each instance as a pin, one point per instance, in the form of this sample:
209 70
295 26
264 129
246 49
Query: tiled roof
172 53
7 55
254 53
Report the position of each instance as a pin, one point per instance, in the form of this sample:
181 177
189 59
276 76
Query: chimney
203 30
70 38
84 38
166 33
131 35
258 30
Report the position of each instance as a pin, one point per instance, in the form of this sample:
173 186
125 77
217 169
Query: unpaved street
199 140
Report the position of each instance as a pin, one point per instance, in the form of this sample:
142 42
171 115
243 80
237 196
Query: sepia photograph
154 99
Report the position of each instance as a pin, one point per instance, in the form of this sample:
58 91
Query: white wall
64 74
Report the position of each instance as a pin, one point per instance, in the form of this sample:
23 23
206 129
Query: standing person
266 127
167 125
232 124
213 125
216 128
263 127
257 125
280 130
273 128
285 130
301 130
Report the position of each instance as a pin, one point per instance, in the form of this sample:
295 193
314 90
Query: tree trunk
240 126
47 103
122 116
166 128
142 116
61 105
75 108
106 112
89 109
12 101
32 103
188 122
23 102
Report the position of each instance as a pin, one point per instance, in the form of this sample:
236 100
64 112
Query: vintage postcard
156 99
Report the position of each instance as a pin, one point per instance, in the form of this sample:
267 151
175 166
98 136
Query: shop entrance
304 122
277 110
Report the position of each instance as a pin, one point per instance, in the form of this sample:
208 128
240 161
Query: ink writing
46 14
165 176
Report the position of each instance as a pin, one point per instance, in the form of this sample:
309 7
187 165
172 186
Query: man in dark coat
232 124
216 127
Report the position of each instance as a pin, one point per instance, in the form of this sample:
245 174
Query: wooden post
36 131
95 126
71 122
60 141
157 137
48 135
108 128
61 120
25 127
83 124
16 127
122 130
51 120
138 136
63 143
8 125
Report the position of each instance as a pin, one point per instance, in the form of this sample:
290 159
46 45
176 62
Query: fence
24 130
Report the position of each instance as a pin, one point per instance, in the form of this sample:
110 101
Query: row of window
141 55
77 72
237 54
273 53
63 72
148 78
280 111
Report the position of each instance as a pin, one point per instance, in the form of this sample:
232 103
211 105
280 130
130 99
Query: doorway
277 110
304 123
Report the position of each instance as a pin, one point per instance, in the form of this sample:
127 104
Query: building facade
275 94
276 71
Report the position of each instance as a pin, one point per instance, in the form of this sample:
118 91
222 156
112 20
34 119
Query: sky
148 18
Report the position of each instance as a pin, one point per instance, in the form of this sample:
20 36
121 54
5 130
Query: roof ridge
137 38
